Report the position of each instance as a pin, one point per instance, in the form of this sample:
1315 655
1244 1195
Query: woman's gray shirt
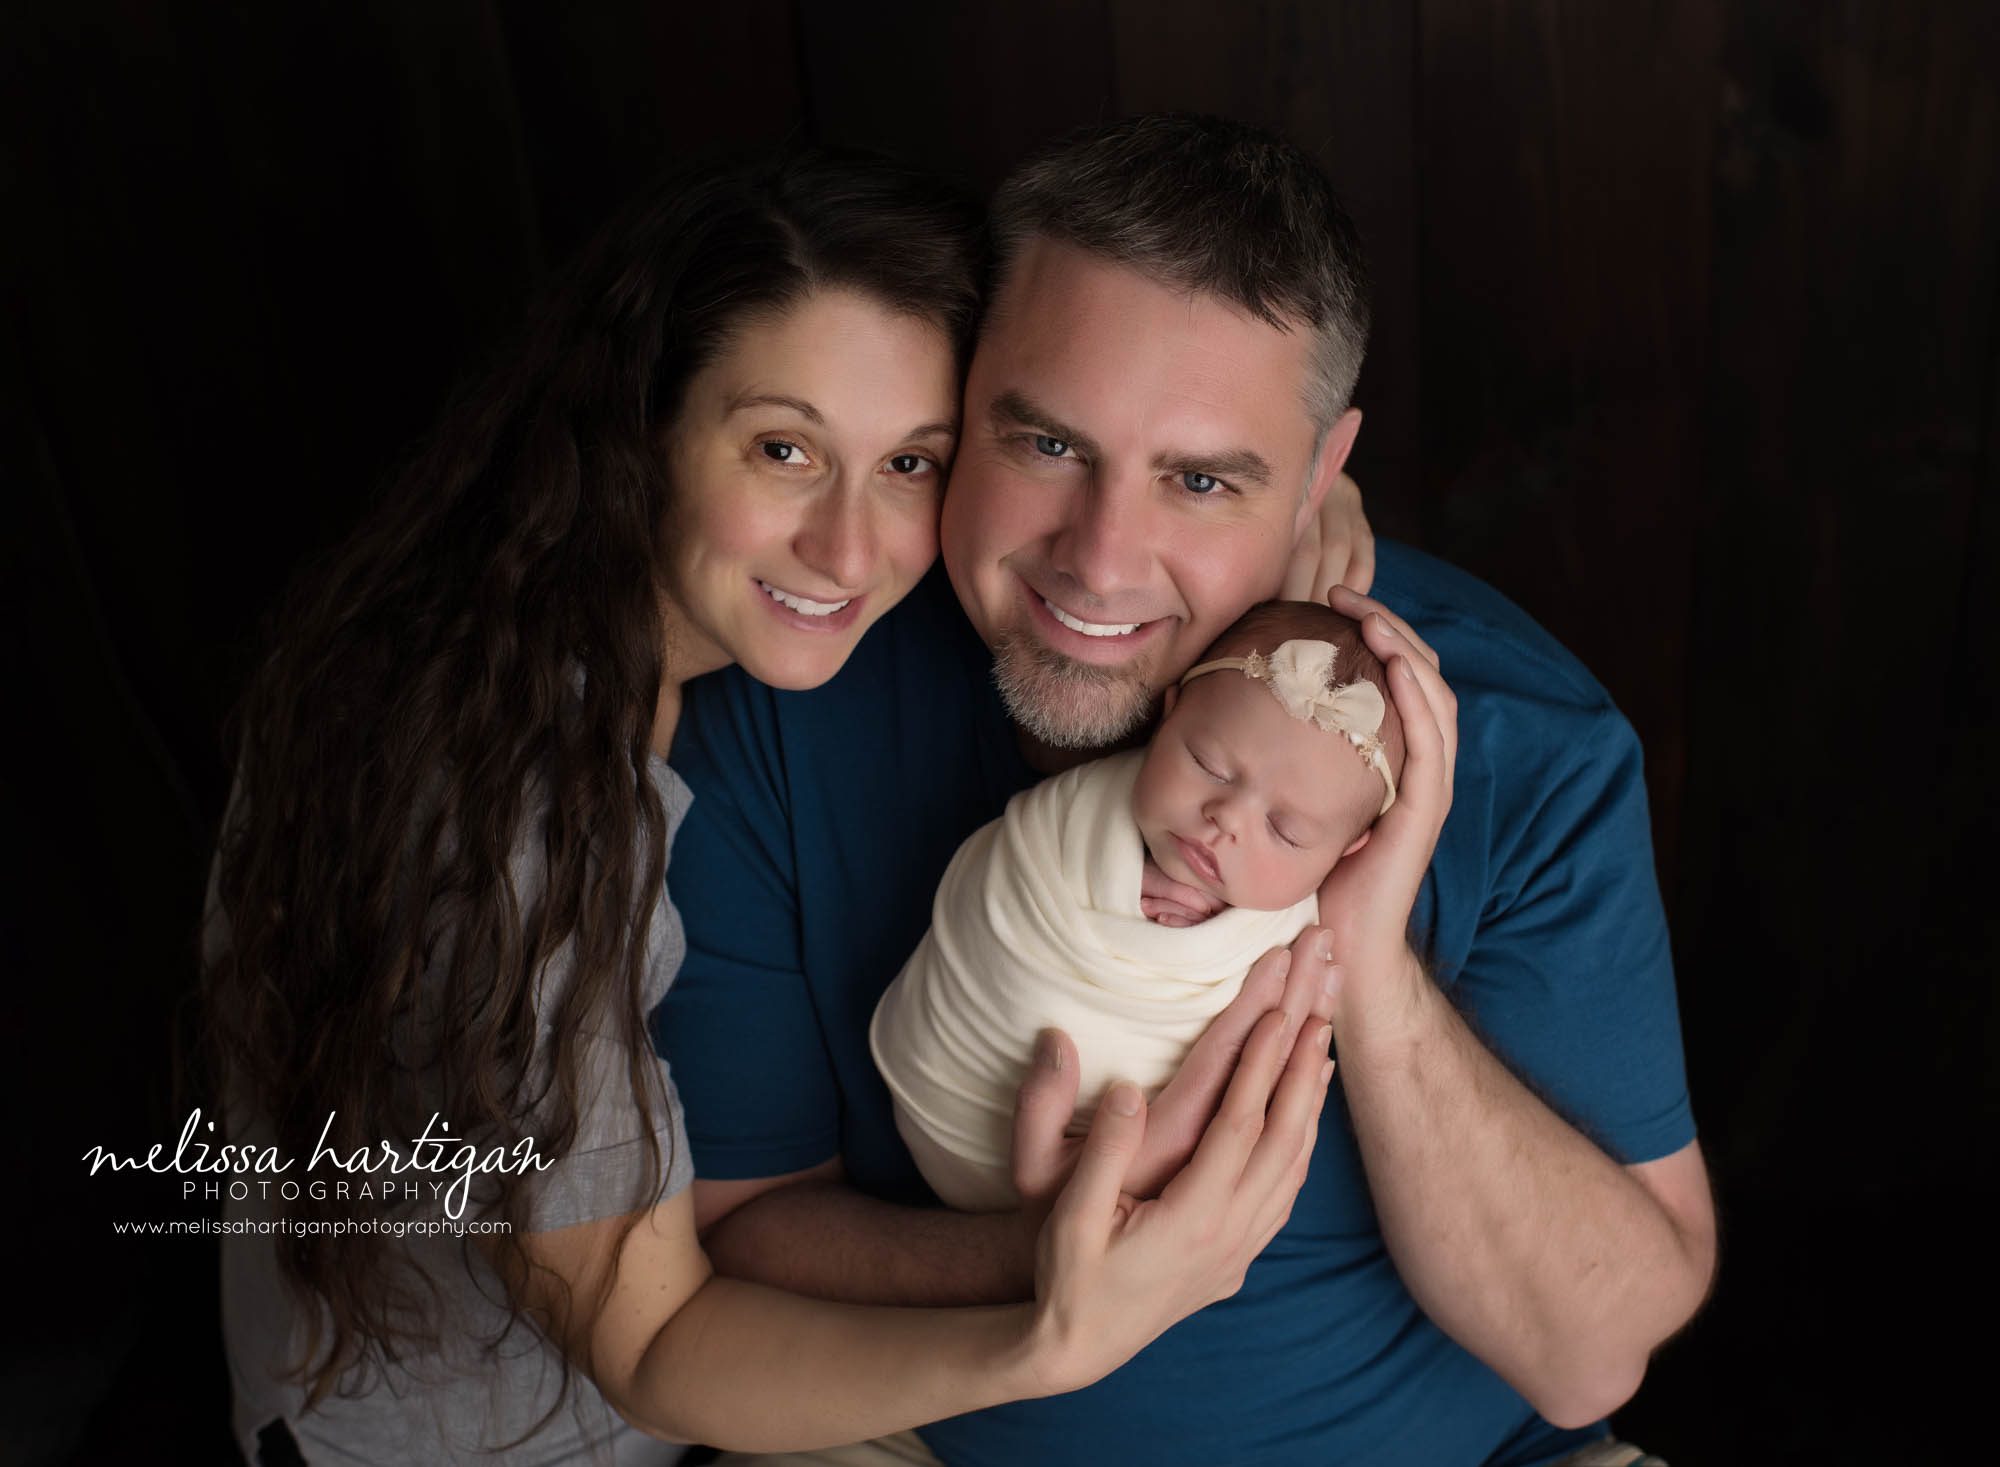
450 1407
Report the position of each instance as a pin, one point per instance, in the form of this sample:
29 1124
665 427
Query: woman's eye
779 451
1200 483
909 463
1050 447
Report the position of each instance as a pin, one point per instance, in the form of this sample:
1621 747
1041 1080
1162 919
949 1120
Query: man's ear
1333 452
1359 841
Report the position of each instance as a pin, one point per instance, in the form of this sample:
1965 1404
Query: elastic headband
1300 676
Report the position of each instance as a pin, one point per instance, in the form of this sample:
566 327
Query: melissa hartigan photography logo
435 1165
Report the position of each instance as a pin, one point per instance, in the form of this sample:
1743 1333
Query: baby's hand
1171 904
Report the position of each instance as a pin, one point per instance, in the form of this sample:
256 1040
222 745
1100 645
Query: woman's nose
837 539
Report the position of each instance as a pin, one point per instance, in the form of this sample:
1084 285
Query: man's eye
782 452
1050 447
1200 483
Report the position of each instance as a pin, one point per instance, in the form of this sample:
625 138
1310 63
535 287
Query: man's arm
1518 1235
1559 1268
809 1232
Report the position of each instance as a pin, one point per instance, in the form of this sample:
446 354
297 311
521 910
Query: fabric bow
1300 676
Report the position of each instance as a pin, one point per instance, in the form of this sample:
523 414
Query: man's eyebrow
1018 408
1237 465
775 399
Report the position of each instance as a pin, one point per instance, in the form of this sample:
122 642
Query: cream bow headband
1300 676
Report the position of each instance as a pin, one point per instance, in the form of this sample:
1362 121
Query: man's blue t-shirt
804 874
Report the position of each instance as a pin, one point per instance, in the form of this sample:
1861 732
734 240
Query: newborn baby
1124 900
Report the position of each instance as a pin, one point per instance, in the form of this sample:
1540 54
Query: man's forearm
829 1241
1522 1240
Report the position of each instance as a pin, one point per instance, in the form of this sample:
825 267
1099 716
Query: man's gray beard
1064 703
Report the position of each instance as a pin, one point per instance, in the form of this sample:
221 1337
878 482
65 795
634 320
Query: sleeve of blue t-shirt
1569 978
739 1025
1542 912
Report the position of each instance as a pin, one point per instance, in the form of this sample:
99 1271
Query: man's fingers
1380 636
1042 1110
1427 757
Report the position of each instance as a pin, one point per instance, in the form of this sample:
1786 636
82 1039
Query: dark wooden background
1687 340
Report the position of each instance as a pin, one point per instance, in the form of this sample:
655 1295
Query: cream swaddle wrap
1036 924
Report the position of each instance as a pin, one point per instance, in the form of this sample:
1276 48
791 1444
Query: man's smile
1093 639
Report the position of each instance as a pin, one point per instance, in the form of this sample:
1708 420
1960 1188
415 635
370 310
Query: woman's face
807 466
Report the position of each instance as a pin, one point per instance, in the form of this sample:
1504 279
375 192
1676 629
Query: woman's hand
1366 902
1112 1272
1337 548
1295 983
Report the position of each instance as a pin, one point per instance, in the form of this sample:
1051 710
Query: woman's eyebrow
939 429
775 399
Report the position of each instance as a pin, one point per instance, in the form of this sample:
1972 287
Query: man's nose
1104 545
838 538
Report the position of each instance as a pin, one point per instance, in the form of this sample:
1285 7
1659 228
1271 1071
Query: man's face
1131 477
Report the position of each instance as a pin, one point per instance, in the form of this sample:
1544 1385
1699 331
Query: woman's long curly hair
475 674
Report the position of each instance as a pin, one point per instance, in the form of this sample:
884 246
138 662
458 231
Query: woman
439 904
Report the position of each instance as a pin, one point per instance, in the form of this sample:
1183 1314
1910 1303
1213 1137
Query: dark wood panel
963 90
609 93
1858 227
1563 282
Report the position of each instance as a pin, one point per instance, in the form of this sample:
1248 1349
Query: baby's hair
1264 626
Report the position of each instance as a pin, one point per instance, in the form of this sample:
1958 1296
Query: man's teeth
1088 628
800 604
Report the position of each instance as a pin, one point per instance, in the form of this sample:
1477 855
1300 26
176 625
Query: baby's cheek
1146 793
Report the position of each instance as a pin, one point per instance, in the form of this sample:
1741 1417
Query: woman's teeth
800 604
1088 628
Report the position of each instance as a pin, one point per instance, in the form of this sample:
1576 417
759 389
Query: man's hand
1173 903
1296 983
1337 548
1366 901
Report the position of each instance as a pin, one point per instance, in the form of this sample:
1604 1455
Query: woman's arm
688 1355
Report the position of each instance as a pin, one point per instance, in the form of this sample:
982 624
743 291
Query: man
1506 1210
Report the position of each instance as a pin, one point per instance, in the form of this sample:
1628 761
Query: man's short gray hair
1205 204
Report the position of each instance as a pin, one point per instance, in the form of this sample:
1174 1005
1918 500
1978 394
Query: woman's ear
1170 697
1359 841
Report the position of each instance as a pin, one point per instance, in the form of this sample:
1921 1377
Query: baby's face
1241 800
